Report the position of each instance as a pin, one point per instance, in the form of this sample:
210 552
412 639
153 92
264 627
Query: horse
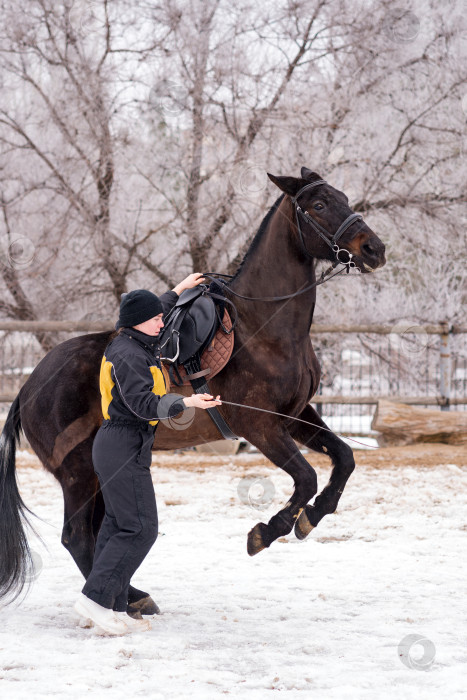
272 367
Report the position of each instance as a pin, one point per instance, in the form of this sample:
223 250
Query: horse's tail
16 563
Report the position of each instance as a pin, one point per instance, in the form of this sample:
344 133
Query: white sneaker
103 617
134 624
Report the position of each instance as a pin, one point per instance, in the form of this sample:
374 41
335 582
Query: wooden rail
96 326
443 329
429 329
60 326
411 400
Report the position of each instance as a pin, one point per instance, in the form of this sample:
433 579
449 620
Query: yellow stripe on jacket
106 384
159 387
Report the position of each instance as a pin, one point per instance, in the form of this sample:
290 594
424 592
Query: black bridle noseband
343 256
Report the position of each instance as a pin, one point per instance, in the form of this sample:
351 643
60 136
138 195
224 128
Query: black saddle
188 328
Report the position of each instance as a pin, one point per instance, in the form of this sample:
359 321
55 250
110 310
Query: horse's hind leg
83 514
80 486
343 466
277 445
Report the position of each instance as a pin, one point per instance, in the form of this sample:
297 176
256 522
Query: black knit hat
137 307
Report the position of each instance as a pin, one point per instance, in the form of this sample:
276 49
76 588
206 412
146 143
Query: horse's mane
262 227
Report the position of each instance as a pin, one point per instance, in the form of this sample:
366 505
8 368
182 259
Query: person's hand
202 401
189 282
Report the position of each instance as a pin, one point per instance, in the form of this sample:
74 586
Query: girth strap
200 386
197 375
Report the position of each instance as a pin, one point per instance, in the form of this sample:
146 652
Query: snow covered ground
318 619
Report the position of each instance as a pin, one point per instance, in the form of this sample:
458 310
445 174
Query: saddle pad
215 355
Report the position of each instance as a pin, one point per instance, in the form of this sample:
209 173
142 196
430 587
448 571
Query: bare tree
136 139
60 132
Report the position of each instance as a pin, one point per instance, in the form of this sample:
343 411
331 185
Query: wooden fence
410 363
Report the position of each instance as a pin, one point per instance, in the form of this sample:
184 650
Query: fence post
319 406
445 368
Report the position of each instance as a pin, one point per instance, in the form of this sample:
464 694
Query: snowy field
318 619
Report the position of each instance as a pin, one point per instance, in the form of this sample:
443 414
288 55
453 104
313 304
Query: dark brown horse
273 366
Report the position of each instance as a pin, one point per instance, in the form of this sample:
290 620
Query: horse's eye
318 206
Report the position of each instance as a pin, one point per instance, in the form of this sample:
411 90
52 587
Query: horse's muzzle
371 255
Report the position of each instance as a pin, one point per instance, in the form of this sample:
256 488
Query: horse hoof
303 527
143 606
256 539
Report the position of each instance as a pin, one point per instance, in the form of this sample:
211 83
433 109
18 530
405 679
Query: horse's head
326 226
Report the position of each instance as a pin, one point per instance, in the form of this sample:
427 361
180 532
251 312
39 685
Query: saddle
193 329
213 357
189 325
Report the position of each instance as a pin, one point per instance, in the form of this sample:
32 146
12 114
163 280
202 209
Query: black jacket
133 388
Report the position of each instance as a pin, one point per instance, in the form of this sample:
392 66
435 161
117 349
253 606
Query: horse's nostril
368 249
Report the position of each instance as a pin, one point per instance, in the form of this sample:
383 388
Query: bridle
343 256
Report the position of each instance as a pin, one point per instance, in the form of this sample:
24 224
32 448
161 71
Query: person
134 398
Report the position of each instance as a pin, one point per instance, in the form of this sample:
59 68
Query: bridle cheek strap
343 256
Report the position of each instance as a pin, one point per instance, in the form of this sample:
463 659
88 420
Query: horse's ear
309 175
289 185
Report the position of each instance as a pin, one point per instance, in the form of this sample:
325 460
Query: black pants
121 456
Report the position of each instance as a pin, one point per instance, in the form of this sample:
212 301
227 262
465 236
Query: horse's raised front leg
278 446
343 466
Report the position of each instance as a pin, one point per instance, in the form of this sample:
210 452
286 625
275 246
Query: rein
324 278
342 255
300 420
